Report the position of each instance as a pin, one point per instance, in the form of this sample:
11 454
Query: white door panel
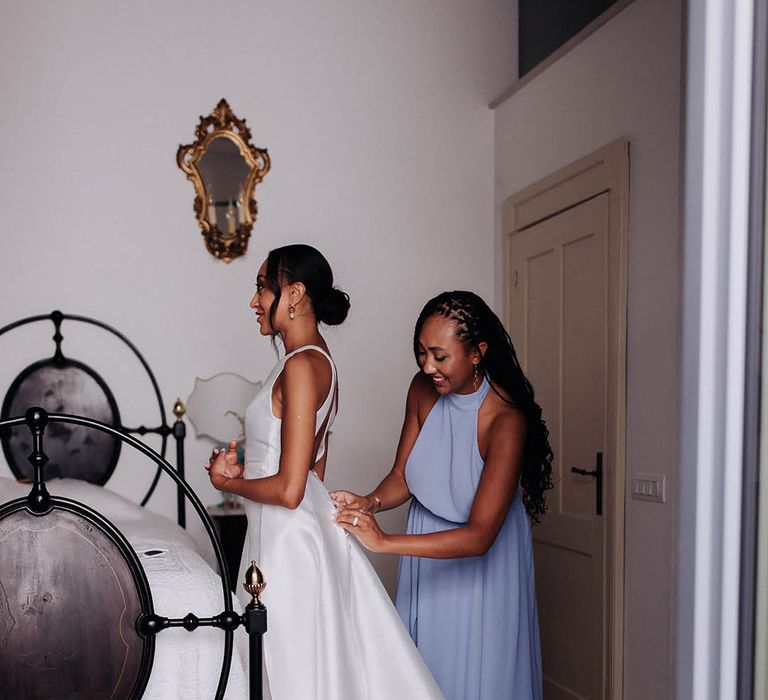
559 321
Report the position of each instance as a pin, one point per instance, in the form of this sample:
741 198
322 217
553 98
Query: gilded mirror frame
222 123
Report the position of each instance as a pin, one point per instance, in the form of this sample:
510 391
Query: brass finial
254 582
179 409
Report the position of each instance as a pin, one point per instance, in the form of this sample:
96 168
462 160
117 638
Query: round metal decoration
78 452
71 593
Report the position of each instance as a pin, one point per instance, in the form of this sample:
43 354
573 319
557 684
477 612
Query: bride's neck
300 332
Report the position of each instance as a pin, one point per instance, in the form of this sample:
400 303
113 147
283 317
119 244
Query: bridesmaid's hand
363 526
350 500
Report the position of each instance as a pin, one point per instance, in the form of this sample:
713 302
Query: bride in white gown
333 632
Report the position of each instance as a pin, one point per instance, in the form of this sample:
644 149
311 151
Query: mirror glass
224 170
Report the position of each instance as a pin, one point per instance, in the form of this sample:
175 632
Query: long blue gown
473 619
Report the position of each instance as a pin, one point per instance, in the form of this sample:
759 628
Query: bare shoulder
298 372
422 396
300 364
421 387
422 391
504 420
308 370
309 360
510 418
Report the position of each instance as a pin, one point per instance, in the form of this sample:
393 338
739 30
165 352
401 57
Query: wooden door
563 293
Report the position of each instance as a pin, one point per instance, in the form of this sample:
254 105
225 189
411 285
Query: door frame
604 171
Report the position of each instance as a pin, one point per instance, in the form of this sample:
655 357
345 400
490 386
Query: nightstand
231 524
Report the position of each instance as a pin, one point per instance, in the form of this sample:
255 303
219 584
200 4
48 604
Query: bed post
38 499
179 433
255 623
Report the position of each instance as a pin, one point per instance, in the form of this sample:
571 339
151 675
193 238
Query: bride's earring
475 379
291 312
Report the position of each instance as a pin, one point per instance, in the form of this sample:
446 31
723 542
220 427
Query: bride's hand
363 526
223 465
350 500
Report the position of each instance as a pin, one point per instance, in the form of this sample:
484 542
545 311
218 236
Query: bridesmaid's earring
291 312
475 379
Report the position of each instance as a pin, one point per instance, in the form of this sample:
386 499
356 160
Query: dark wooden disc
69 602
74 451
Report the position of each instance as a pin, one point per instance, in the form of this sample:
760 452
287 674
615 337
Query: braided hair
474 322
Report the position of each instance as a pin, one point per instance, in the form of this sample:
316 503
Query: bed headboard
81 564
77 617
62 384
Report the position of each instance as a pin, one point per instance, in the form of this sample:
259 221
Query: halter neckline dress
332 632
474 619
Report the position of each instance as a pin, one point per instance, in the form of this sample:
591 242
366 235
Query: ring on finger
355 520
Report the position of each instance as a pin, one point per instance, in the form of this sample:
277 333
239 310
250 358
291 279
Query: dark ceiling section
545 25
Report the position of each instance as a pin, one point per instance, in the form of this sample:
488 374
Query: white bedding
186 664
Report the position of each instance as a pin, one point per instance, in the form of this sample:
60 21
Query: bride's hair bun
303 263
333 308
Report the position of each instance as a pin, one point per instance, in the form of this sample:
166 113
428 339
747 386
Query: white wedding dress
332 631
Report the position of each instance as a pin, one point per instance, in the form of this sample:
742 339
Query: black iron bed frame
31 379
40 504
42 523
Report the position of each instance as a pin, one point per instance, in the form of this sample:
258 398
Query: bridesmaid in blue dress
474 457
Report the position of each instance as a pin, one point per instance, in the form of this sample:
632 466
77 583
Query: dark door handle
597 472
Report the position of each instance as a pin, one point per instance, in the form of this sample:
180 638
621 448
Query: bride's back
263 421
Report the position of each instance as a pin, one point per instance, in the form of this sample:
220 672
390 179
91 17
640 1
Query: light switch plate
649 487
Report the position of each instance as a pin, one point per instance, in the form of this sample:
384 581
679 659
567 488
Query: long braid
474 323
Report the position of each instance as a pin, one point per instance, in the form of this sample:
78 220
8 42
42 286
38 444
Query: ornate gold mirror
225 168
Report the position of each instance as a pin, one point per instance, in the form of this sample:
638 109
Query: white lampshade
216 406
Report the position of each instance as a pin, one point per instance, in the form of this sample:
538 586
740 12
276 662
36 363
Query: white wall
375 116
624 80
